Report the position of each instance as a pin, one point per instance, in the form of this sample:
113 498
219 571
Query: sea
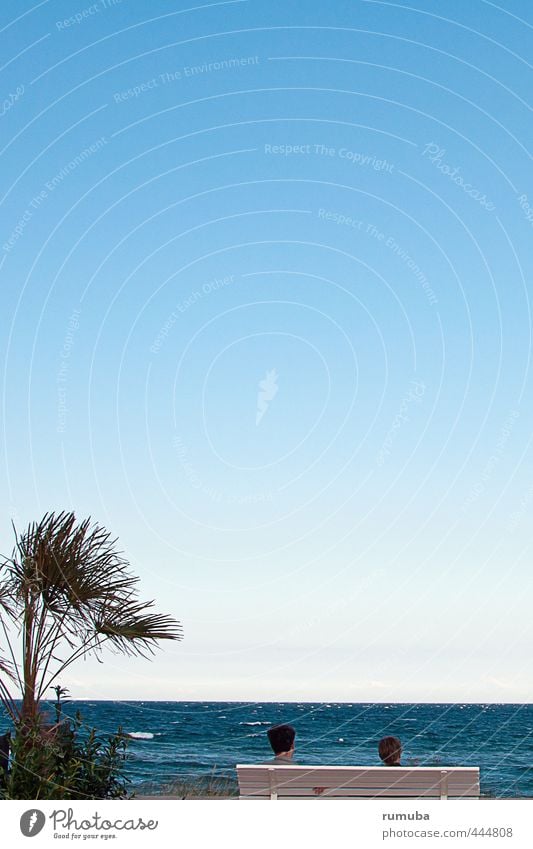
186 740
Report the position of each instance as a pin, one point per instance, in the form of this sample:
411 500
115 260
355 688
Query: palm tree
68 592
62 695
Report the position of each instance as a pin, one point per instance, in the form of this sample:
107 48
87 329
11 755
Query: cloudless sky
265 279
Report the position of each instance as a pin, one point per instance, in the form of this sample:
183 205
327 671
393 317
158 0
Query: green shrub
61 762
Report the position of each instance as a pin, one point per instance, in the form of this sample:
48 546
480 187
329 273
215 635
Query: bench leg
272 784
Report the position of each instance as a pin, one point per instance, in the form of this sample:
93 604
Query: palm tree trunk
29 671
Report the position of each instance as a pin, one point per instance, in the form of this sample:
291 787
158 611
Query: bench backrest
265 781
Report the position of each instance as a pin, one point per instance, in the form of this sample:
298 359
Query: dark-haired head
281 738
390 751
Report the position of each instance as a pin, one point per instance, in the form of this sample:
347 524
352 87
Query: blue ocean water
191 739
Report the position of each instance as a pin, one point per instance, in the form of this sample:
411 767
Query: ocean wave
254 723
141 735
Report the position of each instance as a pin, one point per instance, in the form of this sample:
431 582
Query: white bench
265 781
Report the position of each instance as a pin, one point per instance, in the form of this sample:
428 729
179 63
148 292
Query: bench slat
341 793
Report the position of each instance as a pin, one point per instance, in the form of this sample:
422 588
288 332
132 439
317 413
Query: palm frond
133 630
74 569
6 668
73 566
6 601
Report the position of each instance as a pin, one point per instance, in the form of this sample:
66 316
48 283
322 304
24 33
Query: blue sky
266 274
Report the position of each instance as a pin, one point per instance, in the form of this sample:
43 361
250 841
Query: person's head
281 738
390 751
